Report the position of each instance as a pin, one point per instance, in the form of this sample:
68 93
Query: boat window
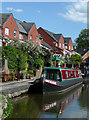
66 74
52 74
75 74
71 74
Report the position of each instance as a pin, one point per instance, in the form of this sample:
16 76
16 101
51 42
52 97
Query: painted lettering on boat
49 81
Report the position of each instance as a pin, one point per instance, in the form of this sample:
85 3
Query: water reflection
52 105
58 103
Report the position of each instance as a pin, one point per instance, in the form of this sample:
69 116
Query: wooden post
72 65
54 63
64 64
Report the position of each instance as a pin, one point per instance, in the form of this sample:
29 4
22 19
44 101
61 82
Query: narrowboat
57 79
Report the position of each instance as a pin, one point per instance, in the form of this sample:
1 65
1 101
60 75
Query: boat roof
60 68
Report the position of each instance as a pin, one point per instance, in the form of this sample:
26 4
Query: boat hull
40 86
62 87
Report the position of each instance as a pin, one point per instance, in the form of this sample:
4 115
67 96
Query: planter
24 76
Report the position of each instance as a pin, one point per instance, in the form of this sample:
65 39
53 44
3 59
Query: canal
73 104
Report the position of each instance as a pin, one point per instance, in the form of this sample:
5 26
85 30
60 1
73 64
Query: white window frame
20 36
60 44
30 37
63 45
36 39
72 47
6 31
56 45
66 74
15 33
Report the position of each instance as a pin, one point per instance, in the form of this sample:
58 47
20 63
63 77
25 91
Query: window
66 47
69 47
72 47
20 35
52 74
31 37
63 45
37 39
66 74
75 74
71 74
24 36
15 33
6 31
60 45
56 44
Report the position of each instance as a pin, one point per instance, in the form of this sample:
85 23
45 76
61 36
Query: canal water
73 104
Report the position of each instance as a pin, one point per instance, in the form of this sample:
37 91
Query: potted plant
12 73
30 73
24 74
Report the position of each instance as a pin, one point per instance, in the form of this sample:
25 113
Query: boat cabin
61 74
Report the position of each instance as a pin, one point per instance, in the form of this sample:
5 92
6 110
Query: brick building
61 45
15 29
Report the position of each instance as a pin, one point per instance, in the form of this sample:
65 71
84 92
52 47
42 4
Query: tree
83 40
16 57
75 59
23 54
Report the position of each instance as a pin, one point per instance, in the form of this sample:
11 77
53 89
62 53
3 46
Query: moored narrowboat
56 79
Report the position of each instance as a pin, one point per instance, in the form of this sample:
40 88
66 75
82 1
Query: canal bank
16 88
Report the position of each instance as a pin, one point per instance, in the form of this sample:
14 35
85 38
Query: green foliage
24 55
76 59
30 72
12 73
24 72
9 52
51 62
83 40
15 56
39 62
7 111
66 58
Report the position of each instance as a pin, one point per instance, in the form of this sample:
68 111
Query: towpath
15 88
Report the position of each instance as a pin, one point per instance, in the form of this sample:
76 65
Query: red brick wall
47 38
10 23
34 33
62 42
71 45
0 31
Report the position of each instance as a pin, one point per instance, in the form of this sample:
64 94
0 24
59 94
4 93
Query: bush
7 111
12 73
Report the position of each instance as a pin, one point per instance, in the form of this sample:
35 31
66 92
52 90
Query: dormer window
20 35
36 39
60 45
56 44
63 45
15 33
6 31
31 37
72 47
66 47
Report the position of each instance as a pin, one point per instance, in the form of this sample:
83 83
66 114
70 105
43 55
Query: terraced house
59 44
15 29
